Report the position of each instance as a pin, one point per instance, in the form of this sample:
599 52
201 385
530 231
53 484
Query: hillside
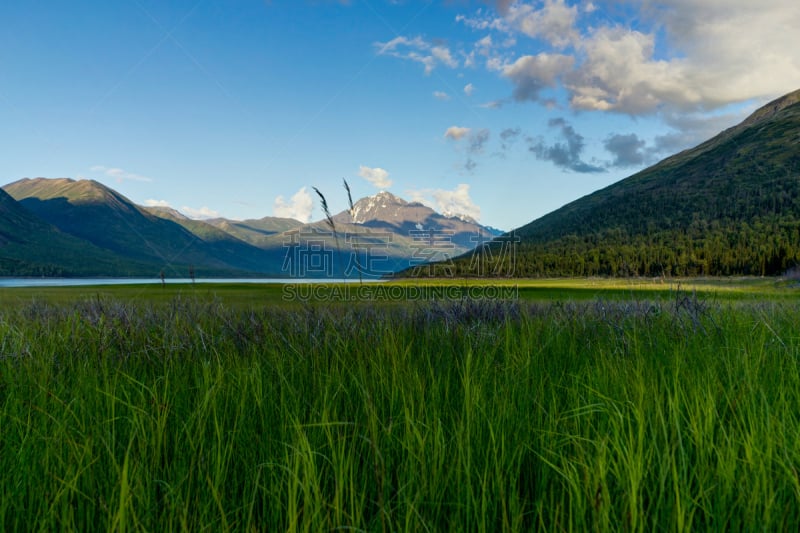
95 213
728 206
226 245
29 246
258 232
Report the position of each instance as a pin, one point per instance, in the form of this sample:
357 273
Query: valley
251 277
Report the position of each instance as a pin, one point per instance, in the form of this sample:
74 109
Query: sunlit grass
194 412
245 295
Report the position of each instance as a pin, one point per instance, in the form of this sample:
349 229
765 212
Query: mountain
166 212
730 206
85 228
225 245
385 211
29 246
385 235
259 232
95 213
389 234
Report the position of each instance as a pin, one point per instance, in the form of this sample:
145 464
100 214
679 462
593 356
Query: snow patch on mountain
382 205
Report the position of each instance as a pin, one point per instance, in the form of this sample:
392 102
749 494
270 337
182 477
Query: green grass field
580 405
253 294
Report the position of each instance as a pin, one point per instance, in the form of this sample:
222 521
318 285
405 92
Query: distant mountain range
730 206
64 227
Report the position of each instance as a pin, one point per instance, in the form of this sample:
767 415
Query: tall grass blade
353 218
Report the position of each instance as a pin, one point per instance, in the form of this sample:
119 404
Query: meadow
575 405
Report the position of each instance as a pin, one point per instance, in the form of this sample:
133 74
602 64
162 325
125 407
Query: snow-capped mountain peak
386 212
383 205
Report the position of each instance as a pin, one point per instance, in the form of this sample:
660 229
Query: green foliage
188 414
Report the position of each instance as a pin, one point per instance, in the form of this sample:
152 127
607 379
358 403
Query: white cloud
483 21
202 213
619 74
118 174
666 55
554 22
298 208
457 202
735 50
397 42
531 74
448 202
495 51
419 50
495 64
156 203
440 95
442 53
469 61
376 176
469 89
494 104
456 132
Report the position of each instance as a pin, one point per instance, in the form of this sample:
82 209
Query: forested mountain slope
728 206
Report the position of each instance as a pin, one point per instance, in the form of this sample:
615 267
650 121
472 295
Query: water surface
80 282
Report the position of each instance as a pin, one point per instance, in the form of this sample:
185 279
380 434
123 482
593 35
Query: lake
79 282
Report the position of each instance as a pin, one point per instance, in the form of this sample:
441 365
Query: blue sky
500 110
